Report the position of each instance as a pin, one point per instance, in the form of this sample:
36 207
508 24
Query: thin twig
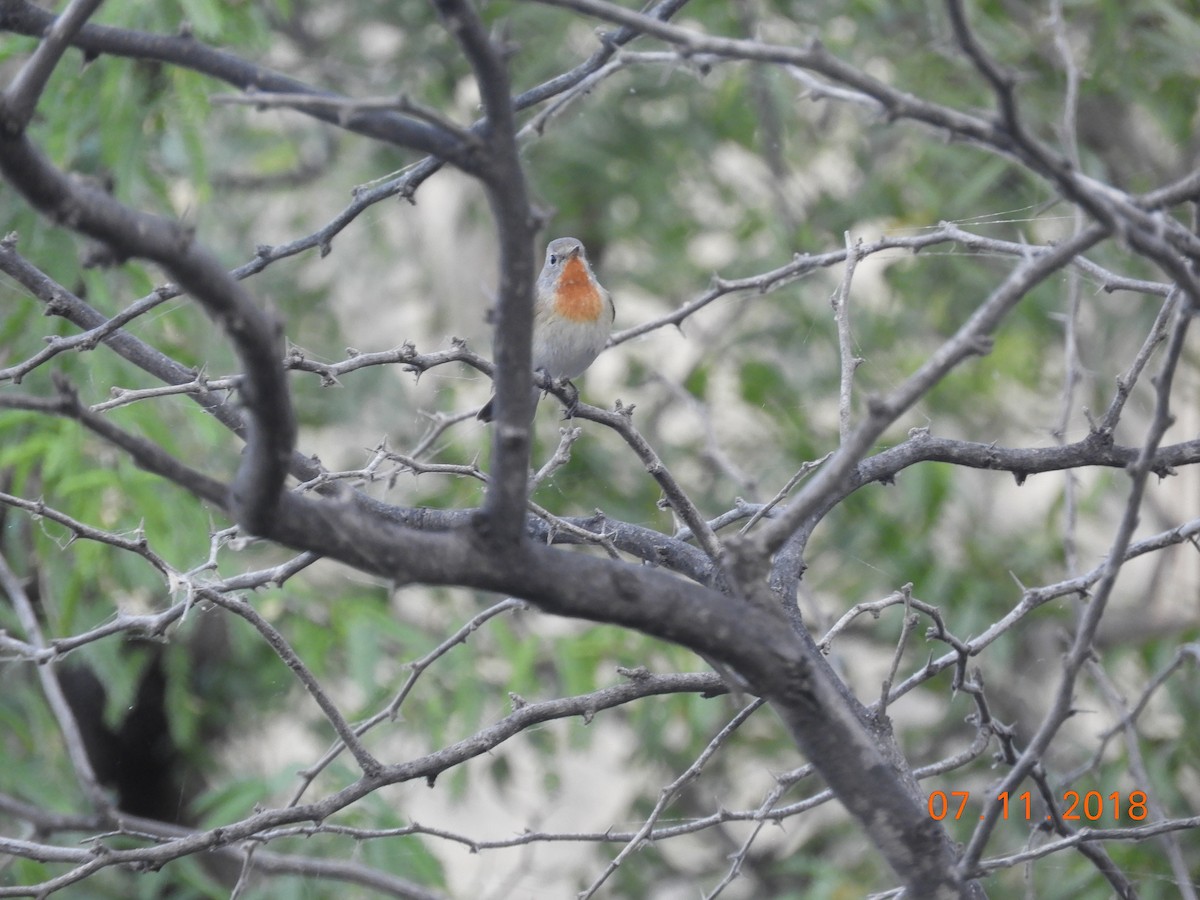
55 698
841 315
668 794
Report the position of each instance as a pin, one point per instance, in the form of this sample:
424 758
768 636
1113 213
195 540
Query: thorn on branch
636 674
56 305
185 235
879 408
981 345
100 255
607 39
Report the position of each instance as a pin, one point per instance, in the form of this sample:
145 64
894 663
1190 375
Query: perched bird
572 318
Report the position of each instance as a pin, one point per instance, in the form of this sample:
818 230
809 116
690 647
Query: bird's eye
553 260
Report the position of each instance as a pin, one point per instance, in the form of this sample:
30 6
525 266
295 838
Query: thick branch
755 640
183 50
254 333
23 93
504 179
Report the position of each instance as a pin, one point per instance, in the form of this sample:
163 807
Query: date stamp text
1087 807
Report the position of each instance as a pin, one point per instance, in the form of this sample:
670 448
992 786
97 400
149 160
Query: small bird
572 318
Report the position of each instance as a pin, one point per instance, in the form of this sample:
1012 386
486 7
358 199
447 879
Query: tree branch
55 699
255 335
185 51
21 98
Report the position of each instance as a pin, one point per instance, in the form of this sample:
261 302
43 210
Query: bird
572 319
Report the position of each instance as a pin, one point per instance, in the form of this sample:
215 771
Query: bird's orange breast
577 298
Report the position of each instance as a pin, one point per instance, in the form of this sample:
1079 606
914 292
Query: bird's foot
572 403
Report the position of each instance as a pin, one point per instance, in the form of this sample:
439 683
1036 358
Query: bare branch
971 339
55 698
841 314
1089 619
1169 841
255 335
621 421
668 794
21 98
370 766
